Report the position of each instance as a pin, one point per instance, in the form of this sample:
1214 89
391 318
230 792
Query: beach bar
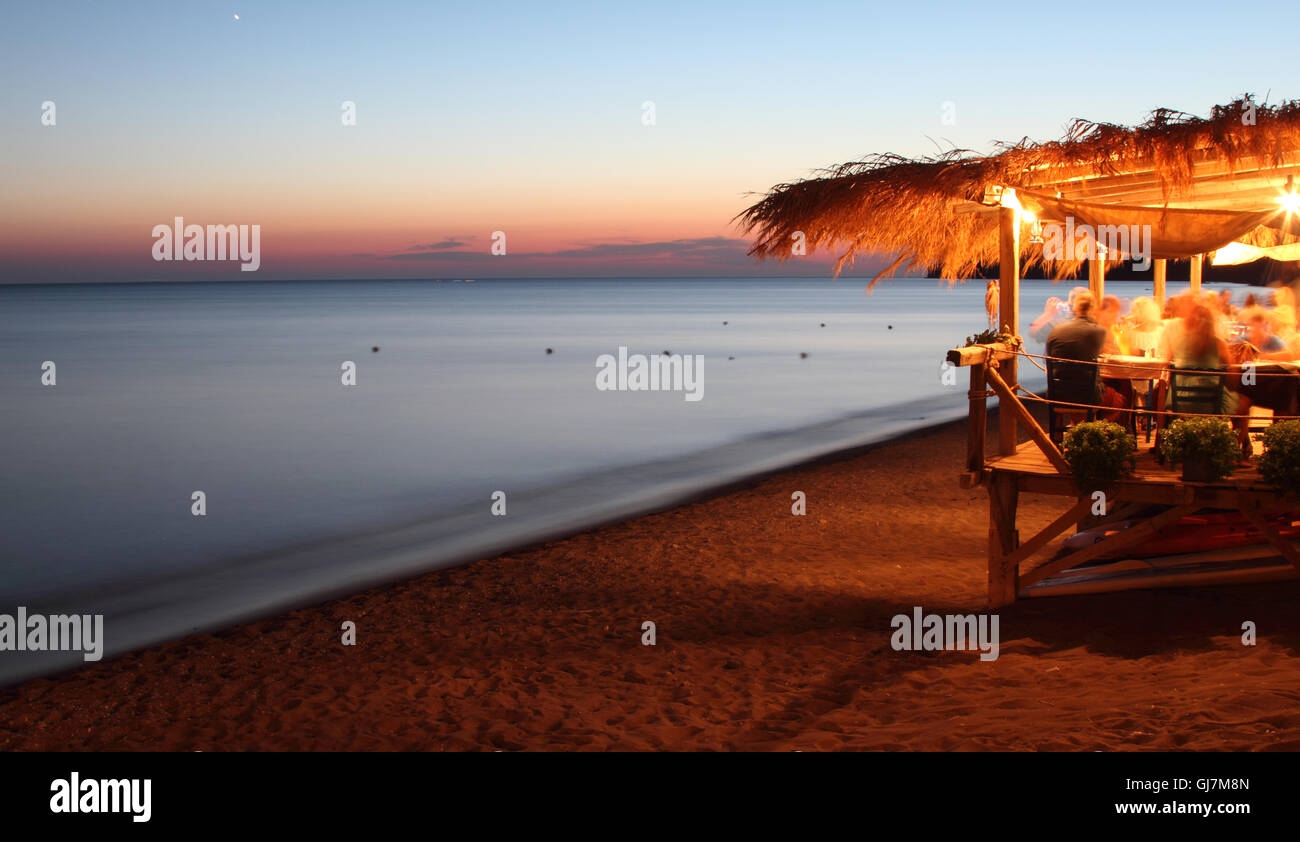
1177 187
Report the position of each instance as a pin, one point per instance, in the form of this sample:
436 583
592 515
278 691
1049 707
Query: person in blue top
1259 332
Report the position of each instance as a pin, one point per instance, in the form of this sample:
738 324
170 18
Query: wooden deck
1148 501
1018 569
1029 459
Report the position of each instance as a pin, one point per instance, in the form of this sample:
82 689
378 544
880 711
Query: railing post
1008 313
978 418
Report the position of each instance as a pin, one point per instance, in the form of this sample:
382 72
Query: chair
1196 393
1070 382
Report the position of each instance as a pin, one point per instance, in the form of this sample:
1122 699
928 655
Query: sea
183 457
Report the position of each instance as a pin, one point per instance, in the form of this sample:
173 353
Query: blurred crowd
1263 323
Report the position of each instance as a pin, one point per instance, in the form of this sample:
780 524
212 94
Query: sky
603 139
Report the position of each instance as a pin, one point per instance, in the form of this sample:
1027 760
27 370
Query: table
1124 367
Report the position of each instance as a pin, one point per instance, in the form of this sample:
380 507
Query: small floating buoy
666 354
803 355
374 349
550 351
891 327
724 323
731 358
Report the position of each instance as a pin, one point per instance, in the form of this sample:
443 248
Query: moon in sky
236 17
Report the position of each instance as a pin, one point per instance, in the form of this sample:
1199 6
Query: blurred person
1108 318
1082 338
1055 312
1142 328
1200 348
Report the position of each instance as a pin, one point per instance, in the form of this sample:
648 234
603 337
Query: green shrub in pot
1207 448
1280 462
1099 453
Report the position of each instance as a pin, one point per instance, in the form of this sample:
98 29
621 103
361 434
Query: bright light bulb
1290 202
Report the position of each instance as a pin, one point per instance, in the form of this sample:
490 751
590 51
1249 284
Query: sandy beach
773 633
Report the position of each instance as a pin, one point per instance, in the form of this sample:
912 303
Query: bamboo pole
1197 262
1160 269
1008 312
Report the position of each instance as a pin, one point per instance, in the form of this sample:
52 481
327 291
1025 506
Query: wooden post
1008 313
1097 279
1003 576
1197 261
1160 269
978 419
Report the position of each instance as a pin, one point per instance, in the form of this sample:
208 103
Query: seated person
1259 332
1082 339
1201 348
1140 335
1055 313
1109 319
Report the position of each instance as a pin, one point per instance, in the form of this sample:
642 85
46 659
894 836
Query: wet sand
773 633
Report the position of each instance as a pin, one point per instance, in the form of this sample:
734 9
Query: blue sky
526 117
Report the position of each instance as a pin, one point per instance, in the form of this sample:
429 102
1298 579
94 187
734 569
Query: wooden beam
1056 527
1003 579
1172 579
1097 279
1132 535
1197 262
1010 405
978 354
1160 270
977 418
1284 548
1008 310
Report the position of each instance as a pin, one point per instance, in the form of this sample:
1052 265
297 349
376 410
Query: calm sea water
314 488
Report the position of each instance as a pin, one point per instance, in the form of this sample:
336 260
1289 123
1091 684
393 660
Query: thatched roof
926 212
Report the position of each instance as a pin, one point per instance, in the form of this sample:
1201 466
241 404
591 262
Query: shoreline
773 632
214 596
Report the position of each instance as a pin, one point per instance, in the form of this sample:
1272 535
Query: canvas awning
1235 253
1175 233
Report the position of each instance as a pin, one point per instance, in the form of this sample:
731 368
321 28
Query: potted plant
1099 453
1207 448
991 337
1280 462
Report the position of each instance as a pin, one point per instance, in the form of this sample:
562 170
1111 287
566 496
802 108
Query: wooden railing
985 362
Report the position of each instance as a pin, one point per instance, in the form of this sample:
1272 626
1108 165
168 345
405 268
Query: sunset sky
528 118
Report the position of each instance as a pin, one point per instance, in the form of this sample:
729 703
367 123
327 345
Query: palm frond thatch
905 207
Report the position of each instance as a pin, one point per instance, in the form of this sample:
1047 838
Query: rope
1020 352
1099 363
1033 397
